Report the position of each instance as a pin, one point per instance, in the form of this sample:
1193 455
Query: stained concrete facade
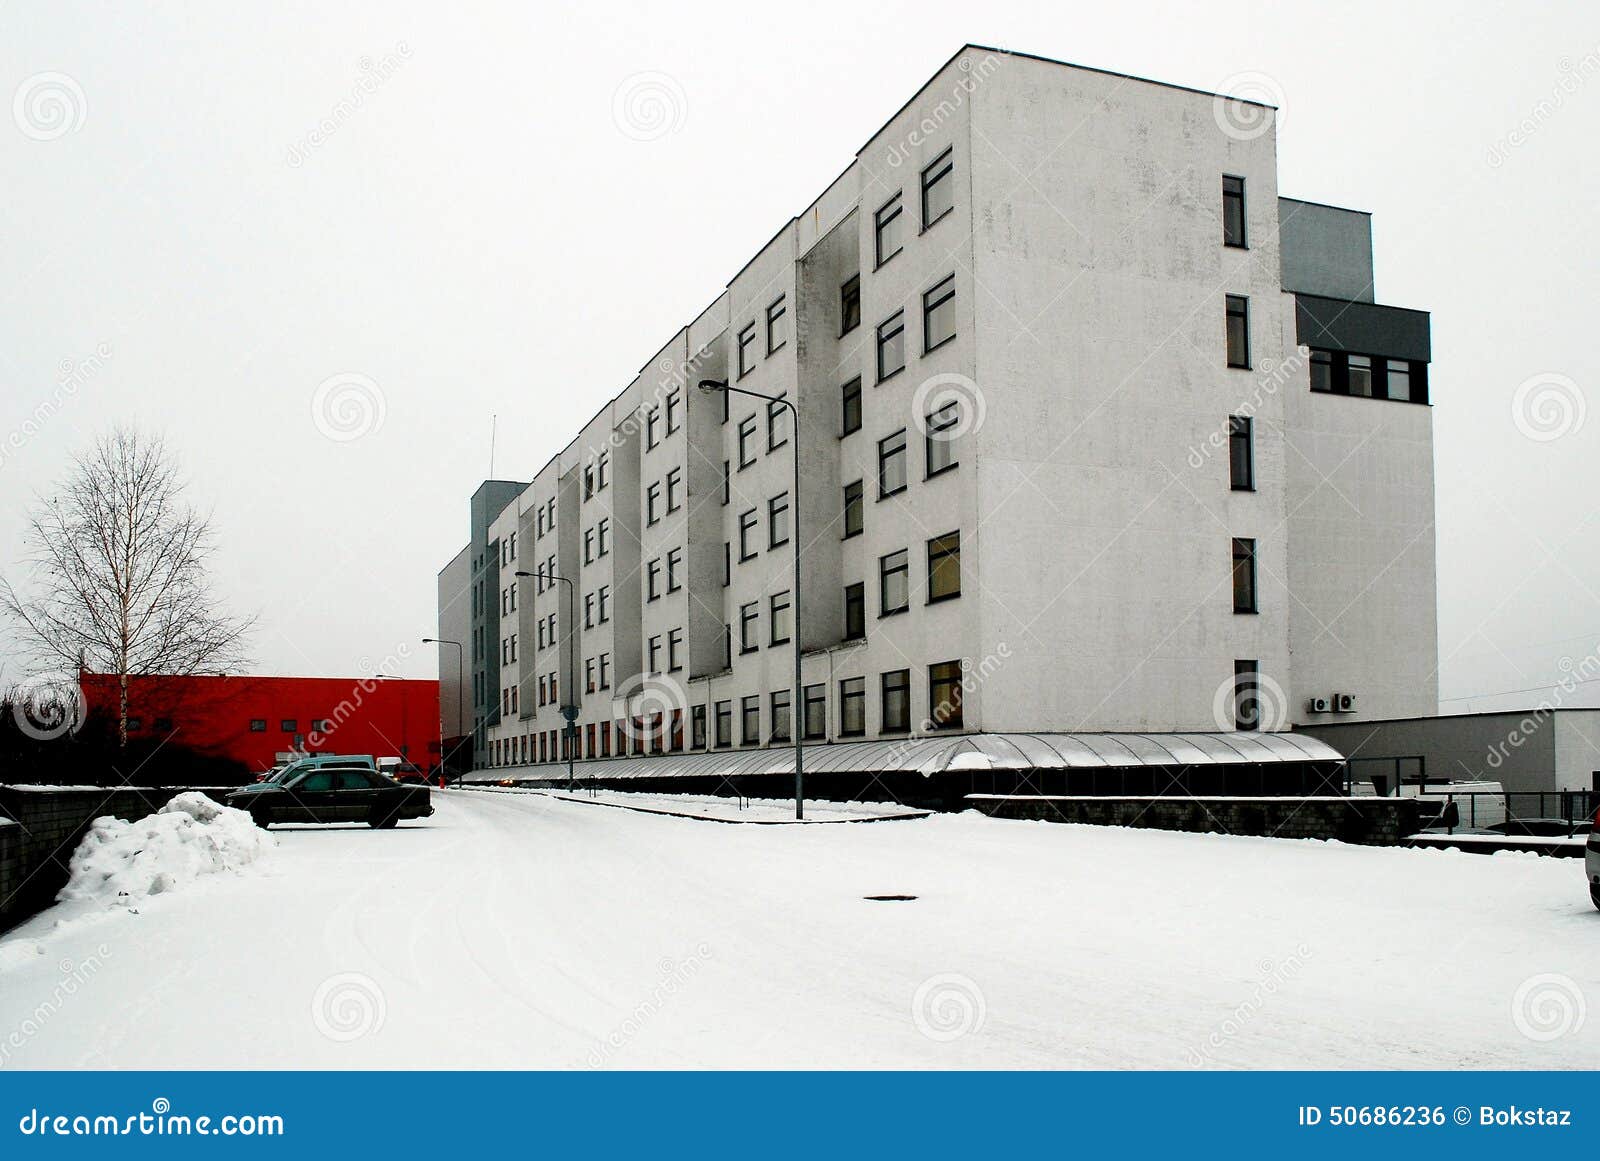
1087 475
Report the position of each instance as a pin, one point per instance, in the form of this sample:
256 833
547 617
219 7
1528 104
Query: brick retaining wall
1372 821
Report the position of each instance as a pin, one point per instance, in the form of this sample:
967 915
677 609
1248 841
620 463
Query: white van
1477 804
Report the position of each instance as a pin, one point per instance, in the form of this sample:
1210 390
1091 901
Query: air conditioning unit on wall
1344 703
1317 705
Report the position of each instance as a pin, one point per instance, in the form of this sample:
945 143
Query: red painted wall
214 714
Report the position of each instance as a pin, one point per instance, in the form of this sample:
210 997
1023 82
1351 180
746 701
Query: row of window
659 735
938 328
259 725
670 409
1369 376
671 489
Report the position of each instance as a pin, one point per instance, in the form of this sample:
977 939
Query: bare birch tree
118 572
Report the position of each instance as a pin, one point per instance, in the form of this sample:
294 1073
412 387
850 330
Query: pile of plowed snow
124 862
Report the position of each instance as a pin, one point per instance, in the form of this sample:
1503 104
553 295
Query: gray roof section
930 756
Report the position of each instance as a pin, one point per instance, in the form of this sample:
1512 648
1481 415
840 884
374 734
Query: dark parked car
331 789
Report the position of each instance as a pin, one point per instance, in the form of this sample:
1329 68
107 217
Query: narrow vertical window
777 325
1244 575
1233 212
944 567
853 510
815 721
944 695
938 189
894 703
855 611
894 583
892 464
941 428
1238 316
887 230
850 407
780 716
852 707
850 305
892 345
747 340
778 618
1241 453
939 314
1246 695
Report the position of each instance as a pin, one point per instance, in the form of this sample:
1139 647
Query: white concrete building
1098 435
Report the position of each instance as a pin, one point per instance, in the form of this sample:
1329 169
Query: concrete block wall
1369 821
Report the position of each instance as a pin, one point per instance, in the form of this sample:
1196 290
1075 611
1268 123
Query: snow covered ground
729 809
524 931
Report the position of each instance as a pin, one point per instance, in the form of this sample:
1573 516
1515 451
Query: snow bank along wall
1372 821
45 826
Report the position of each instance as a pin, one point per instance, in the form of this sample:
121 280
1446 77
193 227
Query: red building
259 720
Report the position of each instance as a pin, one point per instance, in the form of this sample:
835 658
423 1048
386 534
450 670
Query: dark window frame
884 336
930 179
850 391
933 424
896 204
894 682
885 571
1233 195
849 304
940 677
773 607
1237 306
1246 592
860 508
885 456
777 311
852 696
1241 453
745 339
939 549
776 505
855 600
946 284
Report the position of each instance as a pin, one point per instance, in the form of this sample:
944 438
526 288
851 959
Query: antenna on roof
493 422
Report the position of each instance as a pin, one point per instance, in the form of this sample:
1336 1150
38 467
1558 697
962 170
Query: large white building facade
1098 435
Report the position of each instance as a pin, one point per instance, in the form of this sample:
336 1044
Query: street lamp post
796 697
461 692
569 707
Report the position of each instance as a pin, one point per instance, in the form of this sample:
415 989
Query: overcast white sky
481 237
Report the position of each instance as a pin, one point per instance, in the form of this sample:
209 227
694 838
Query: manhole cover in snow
889 898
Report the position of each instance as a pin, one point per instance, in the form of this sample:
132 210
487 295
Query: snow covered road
524 931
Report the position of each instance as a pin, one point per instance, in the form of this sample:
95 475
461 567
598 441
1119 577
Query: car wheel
1594 894
381 819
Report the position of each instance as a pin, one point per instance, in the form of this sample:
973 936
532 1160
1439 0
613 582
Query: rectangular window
652 587
1241 453
849 305
697 727
605 671
850 407
854 510
938 189
816 712
777 426
674 400
287 726
892 464
674 489
652 500
1244 575
674 570
777 325
944 567
588 546
892 345
747 340
1398 379
1360 375
748 616
894 582
1246 696
1322 371
780 716
1233 211
1238 317
855 611
939 444
588 674
747 534
655 654
725 723
895 702
747 441
886 230
727 564
944 695
727 479
852 707
778 618
652 417
602 604
778 520
674 650
258 725
939 314
750 720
